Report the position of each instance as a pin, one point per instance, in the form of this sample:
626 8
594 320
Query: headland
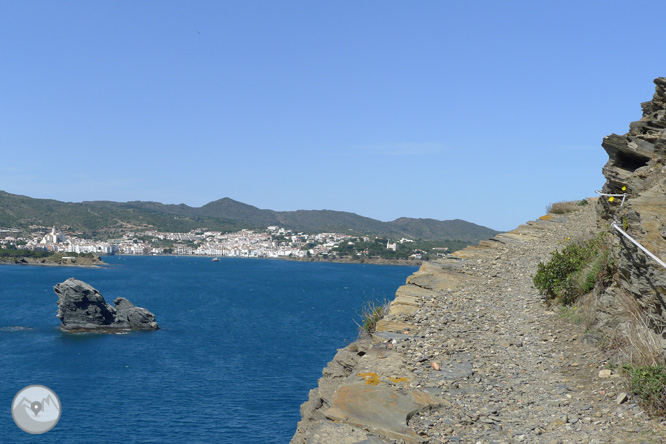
53 260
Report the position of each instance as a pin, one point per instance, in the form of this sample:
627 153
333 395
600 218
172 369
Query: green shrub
598 272
19 253
649 384
572 313
554 278
575 271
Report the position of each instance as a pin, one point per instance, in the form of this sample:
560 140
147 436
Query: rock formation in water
636 166
82 308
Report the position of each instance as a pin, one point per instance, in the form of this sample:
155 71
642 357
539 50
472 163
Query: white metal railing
635 242
623 196
624 233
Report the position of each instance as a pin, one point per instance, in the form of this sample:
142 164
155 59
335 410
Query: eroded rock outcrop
82 308
636 166
367 393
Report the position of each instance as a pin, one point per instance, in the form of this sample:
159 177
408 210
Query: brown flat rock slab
413 291
386 364
474 252
489 243
382 336
328 432
430 267
517 238
437 280
392 326
381 410
407 299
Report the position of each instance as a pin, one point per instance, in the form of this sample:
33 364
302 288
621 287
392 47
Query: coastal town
273 242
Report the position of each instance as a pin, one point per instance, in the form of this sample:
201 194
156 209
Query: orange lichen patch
546 217
370 378
398 380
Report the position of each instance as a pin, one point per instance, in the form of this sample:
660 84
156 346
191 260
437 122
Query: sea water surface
241 343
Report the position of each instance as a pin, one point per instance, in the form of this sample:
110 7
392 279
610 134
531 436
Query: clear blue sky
481 110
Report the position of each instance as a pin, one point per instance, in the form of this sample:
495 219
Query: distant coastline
273 243
371 261
224 228
344 260
54 262
98 261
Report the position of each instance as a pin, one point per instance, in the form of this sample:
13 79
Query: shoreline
365 261
45 262
100 262
38 264
370 261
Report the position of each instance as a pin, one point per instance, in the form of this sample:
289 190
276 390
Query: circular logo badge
36 409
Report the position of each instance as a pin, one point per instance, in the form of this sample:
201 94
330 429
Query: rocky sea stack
82 308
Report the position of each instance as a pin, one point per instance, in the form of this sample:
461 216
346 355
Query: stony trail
470 353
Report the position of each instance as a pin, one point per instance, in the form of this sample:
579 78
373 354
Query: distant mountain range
105 218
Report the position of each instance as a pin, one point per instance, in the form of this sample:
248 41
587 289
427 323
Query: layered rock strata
636 167
470 353
82 308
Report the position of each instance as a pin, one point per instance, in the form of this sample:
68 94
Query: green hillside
106 219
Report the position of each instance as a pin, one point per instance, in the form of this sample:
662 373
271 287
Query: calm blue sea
241 343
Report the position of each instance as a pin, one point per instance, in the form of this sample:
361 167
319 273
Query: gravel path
505 366
534 375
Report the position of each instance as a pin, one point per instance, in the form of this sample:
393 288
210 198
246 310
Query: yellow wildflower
611 199
624 188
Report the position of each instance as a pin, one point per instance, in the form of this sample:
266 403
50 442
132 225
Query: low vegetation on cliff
384 248
21 256
575 270
582 267
370 315
649 384
565 207
575 277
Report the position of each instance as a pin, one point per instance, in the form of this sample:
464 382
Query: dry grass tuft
589 309
371 314
643 348
636 346
562 207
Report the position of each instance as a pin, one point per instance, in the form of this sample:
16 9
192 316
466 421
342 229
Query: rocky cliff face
636 167
82 308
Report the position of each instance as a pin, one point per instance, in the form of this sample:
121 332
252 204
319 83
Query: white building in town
53 237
